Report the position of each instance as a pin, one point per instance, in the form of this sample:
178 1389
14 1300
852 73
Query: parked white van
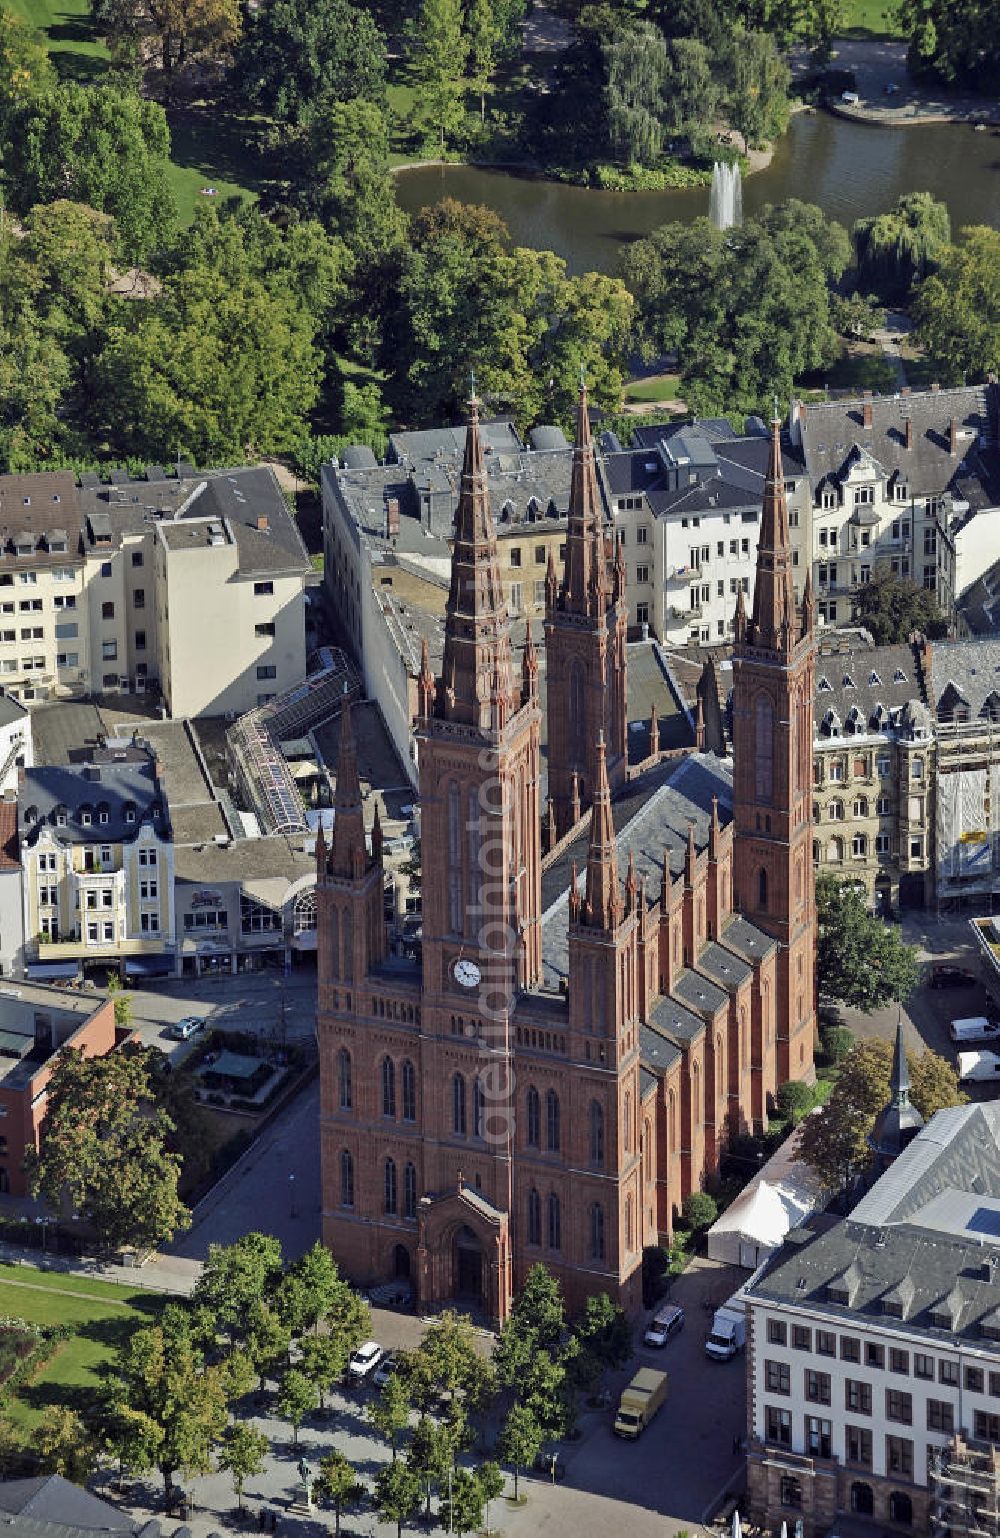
974 1067
977 1028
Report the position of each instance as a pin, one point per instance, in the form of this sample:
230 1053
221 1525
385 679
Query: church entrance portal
401 1263
468 1265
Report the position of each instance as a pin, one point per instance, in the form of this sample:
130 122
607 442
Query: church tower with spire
586 621
773 676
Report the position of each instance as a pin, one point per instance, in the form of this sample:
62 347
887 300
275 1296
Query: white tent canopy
781 1196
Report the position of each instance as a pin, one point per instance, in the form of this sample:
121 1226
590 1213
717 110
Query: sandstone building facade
583 1032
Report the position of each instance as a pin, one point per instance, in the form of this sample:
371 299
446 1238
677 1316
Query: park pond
850 169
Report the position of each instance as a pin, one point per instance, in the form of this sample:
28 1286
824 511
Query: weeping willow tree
896 250
637 71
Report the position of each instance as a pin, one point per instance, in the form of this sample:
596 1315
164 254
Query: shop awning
52 971
149 966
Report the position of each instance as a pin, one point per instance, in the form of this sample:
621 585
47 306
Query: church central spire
773 619
477 672
584 588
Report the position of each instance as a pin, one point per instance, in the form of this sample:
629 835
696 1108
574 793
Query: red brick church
586 1029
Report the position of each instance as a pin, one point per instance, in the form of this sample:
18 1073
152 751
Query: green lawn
69 30
101 1315
868 18
657 387
208 150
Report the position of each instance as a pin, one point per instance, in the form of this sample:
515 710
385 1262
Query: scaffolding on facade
968 812
964 1486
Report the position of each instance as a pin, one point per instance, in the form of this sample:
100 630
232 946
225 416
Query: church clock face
466 974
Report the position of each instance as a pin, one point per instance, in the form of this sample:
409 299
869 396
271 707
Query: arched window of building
628 1225
596 1232
304 912
410 1191
762 890
720 1083
555 1222
534 1119
647 1140
763 747
696 1106
458 1122
409 1080
672 1120
346 1179
344 1083
576 713
901 1508
334 942
627 1122
473 820
597 1133
389 1187
388 1087
454 802
534 1217
862 1499
478 1108
552 1121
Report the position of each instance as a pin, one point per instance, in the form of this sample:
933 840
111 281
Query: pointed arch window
596 1232
534 1217
627 1122
597 1134
346 1178
345 1087
555 1222
762 890
474 813
389 1187
552 1122
534 1117
628 1225
576 714
388 1087
409 1084
454 804
410 1191
764 747
458 1118
478 1108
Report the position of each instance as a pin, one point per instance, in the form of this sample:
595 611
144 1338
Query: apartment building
686 507
16 750
873 1349
964 694
873 769
190 585
97 862
43 630
36 1023
904 483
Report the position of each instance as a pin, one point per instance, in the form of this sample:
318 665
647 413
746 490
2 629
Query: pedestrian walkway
175 1274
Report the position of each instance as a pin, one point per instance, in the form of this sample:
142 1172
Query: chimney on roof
262 523
909 432
953 436
866 409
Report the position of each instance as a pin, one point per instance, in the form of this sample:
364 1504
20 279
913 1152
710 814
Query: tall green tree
26 76
860 959
482 37
758 79
953 41
100 146
104 1150
892 608
897 249
65 1444
167 1406
462 1504
429 1456
690 90
834 1140
397 1494
438 68
520 1440
188 31
347 180
957 308
299 58
390 1412
238 1279
338 1483
242 1455
637 75
296 1397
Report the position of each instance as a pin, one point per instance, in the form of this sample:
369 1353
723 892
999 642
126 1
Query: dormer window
129 812
873 679
31 815
86 817
824 685
848 682
103 813
27 501
899 677
62 817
